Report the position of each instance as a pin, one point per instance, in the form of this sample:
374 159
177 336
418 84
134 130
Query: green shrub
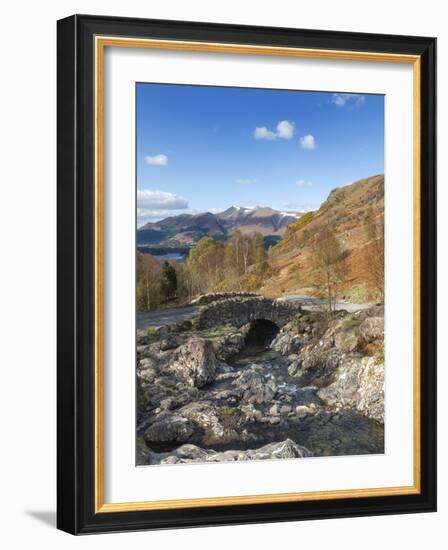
151 331
351 322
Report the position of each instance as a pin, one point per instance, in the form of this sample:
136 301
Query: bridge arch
260 333
241 311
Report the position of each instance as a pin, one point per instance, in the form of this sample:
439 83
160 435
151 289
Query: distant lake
165 254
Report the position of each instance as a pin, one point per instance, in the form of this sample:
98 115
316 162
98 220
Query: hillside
345 214
187 229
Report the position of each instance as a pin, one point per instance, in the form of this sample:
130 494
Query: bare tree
148 282
375 251
328 266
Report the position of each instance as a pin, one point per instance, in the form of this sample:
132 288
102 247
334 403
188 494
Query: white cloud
304 183
283 130
307 142
157 205
340 100
261 132
246 181
148 199
157 160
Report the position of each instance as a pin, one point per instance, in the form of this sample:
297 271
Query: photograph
246 263
259 283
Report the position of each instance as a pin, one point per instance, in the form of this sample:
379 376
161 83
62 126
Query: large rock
372 329
283 449
205 416
230 345
254 387
316 366
169 429
286 343
170 342
196 363
347 340
358 385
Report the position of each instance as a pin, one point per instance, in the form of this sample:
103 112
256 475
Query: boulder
317 366
294 367
255 387
170 342
230 345
358 385
142 453
347 340
142 337
196 363
169 429
286 343
283 449
304 410
205 416
372 329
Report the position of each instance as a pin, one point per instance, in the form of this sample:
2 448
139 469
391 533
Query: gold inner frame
101 42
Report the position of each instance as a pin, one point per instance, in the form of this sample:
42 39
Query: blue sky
203 148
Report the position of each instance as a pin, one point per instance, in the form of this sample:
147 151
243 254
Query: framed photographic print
246 267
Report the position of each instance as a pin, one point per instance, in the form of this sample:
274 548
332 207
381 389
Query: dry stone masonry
239 311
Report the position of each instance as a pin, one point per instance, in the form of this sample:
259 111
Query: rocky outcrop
196 363
230 345
254 387
359 385
205 416
286 343
192 453
345 362
372 328
169 430
243 310
317 384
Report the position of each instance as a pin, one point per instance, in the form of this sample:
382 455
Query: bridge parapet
210 297
239 311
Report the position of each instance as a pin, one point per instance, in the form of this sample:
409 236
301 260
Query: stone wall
210 297
239 311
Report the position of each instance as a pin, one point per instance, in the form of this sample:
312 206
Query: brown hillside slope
345 213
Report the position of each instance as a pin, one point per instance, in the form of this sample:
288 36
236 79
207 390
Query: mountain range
187 229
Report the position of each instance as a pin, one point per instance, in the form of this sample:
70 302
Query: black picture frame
76 271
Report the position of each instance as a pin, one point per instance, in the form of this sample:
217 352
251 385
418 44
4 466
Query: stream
325 433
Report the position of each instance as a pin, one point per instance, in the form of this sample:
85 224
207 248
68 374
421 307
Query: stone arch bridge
239 311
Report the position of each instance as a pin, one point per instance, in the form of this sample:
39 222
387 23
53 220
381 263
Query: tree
375 251
328 266
148 282
168 280
239 264
259 250
184 290
205 263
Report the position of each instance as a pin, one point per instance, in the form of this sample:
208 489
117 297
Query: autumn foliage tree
239 264
375 252
148 282
205 263
328 272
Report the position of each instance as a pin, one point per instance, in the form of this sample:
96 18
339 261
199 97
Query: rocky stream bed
313 388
